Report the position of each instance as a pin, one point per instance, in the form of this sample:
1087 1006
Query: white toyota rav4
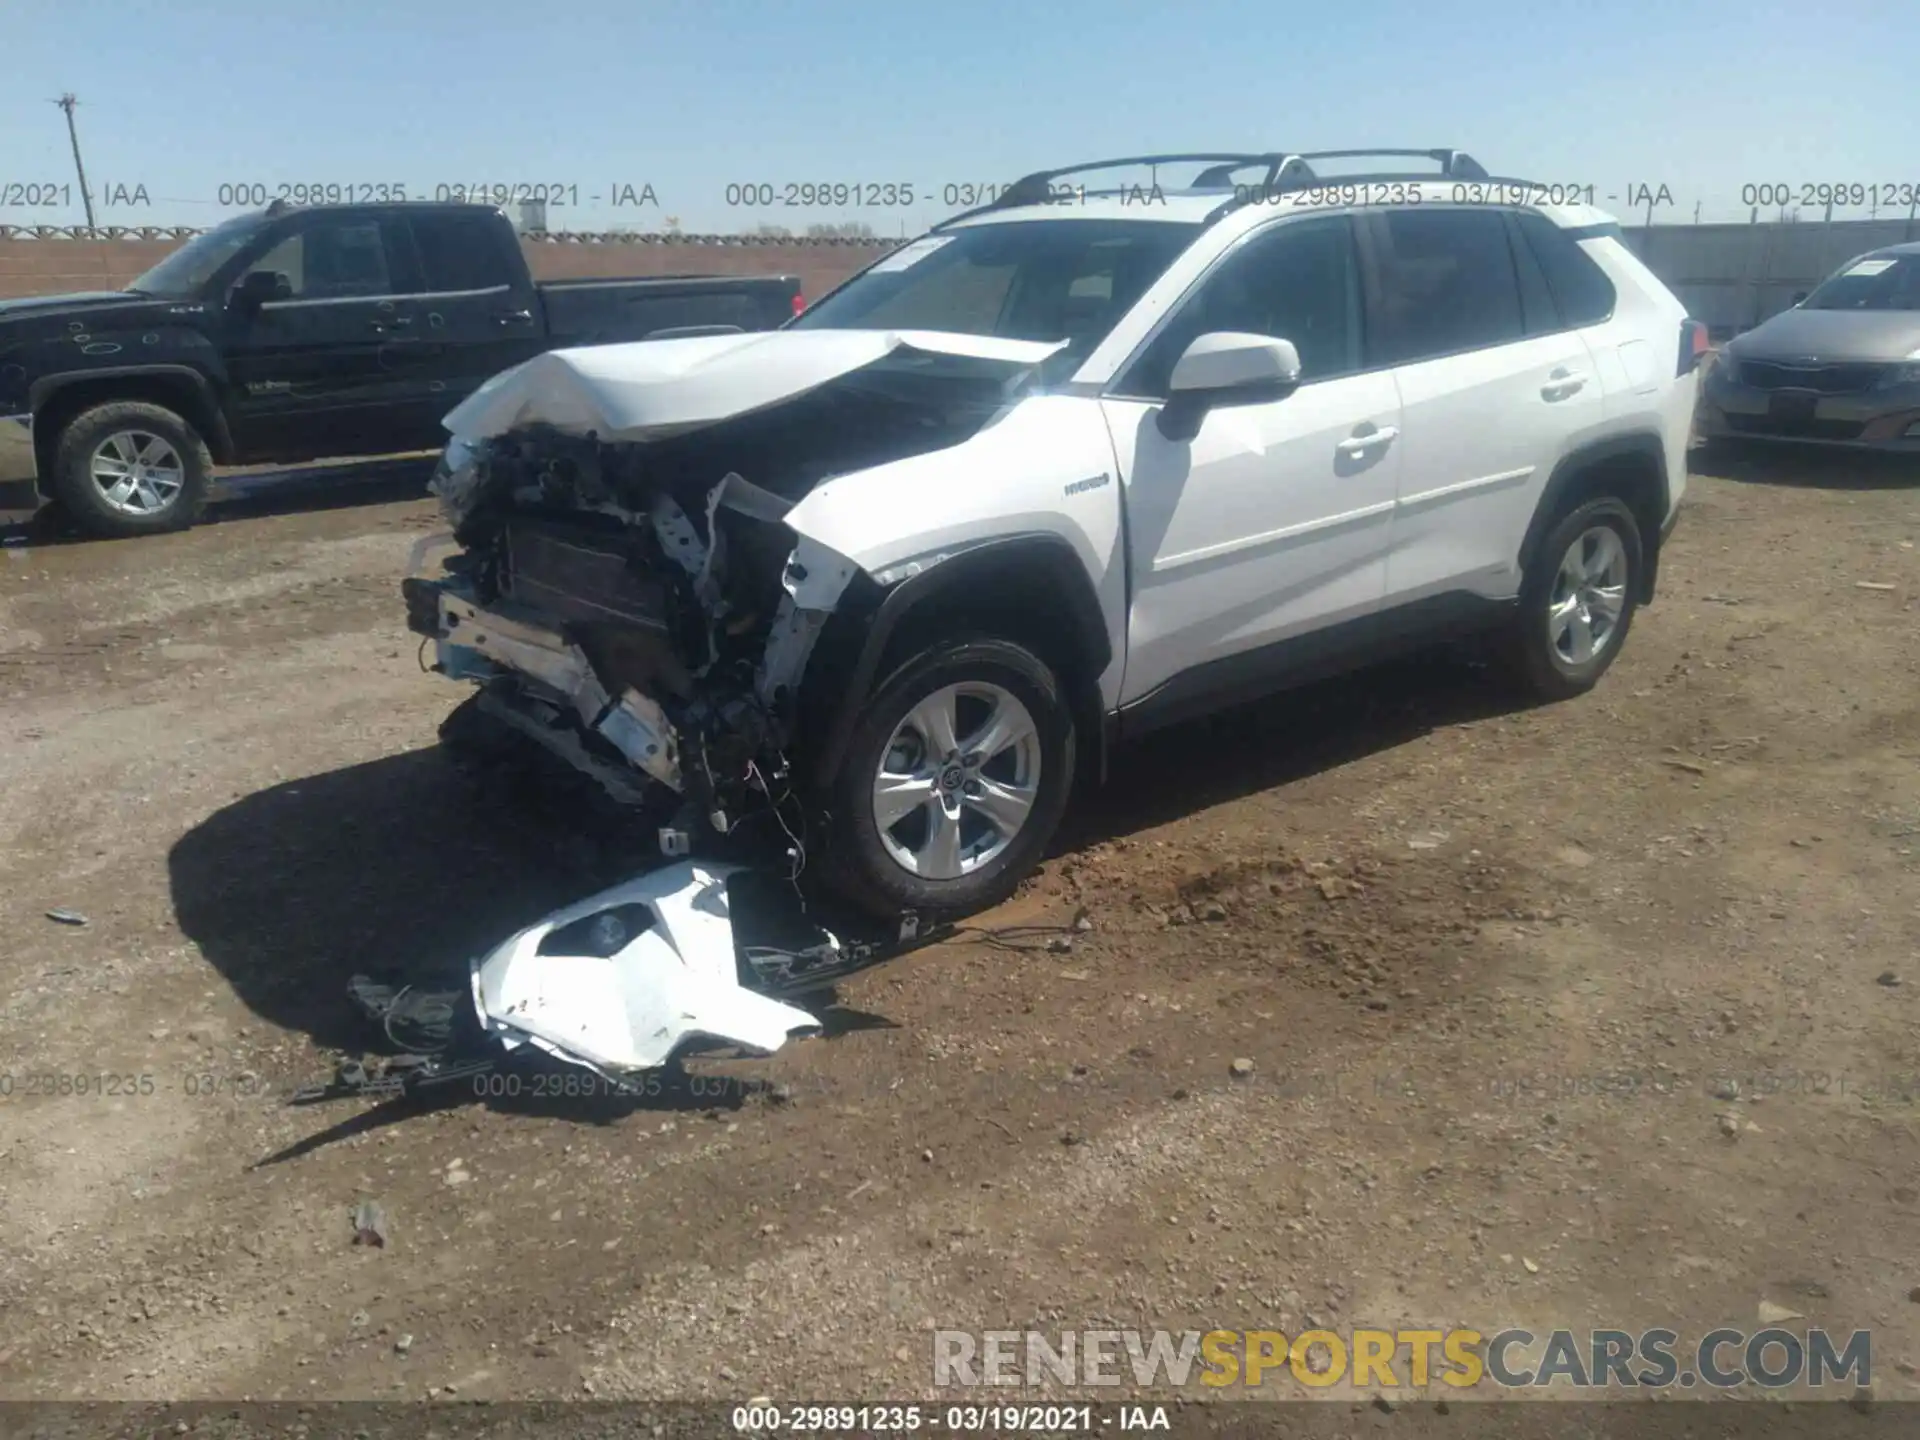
1070 466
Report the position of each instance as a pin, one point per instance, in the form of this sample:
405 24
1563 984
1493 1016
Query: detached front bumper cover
621 980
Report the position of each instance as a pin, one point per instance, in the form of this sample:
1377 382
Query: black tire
81 497
859 865
1537 664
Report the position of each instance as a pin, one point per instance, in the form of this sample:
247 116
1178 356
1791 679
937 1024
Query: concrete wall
49 266
1735 276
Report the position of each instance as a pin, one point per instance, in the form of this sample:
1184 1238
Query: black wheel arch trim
219 440
1642 444
1042 552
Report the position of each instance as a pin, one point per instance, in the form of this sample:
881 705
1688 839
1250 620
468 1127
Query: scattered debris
1692 767
1730 1126
1772 1314
1873 585
1241 1068
457 1173
370 1224
1726 1090
402 1344
66 917
1213 910
1914 1294
1529 1266
1886 978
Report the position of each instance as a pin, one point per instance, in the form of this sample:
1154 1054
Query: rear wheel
130 468
955 780
1578 600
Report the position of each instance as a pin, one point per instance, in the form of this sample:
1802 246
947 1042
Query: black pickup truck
290 335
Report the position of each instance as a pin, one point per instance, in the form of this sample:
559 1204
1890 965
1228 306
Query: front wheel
956 778
130 468
1578 600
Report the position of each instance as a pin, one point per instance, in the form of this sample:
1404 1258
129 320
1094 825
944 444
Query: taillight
799 302
1694 346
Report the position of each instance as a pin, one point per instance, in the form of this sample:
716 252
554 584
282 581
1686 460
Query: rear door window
1442 282
461 252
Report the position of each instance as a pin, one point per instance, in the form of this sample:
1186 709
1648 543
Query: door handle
392 322
1372 440
514 317
1562 383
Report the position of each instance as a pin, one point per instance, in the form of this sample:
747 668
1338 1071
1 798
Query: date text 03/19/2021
758 1417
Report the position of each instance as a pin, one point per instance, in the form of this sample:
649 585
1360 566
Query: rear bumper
19 481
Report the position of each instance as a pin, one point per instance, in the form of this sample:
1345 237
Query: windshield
1877 282
187 270
1048 280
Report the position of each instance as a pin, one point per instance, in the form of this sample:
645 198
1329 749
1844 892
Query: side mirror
1226 364
260 286
1798 297
1225 367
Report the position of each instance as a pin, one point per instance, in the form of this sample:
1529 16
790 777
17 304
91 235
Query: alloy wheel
957 780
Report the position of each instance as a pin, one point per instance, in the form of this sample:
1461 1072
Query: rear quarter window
1581 289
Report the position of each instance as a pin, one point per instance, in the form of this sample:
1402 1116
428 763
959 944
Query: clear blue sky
183 96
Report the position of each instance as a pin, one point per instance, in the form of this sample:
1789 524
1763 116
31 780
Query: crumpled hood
652 388
1826 335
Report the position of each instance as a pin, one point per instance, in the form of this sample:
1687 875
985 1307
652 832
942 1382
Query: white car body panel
1482 432
1259 528
629 1011
653 388
1044 466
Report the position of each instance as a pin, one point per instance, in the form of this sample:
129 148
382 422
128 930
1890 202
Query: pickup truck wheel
130 468
1578 600
954 782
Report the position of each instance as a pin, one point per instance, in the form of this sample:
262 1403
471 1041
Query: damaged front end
627 592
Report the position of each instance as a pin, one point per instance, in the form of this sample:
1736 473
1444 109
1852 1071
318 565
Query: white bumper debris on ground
620 980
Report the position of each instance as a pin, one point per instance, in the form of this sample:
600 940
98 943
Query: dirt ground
1496 972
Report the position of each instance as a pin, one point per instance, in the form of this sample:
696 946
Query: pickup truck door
326 367
479 314
1274 519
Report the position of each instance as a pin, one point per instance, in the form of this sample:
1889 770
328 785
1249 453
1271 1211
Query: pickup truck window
333 259
461 252
187 270
1021 280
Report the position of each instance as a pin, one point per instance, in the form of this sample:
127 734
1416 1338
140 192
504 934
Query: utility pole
67 102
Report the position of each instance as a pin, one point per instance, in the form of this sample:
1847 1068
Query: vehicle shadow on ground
1809 468
1282 740
256 493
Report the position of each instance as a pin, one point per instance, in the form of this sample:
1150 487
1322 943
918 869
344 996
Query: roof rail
1296 170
